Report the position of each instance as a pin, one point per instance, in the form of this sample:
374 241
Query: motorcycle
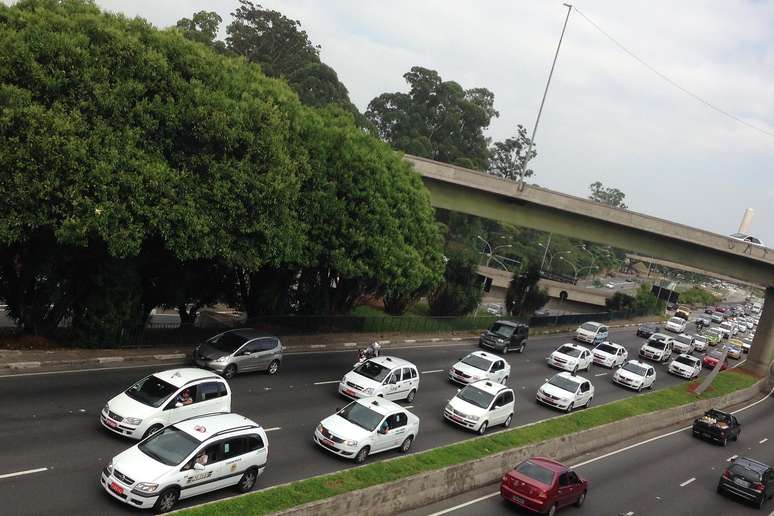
365 354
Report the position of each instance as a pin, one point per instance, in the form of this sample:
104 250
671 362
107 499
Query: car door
210 398
176 409
564 493
650 377
602 335
398 429
584 393
621 356
499 410
197 481
241 453
585 360
497 371
391 385
265 351
381 437
246 358
405 384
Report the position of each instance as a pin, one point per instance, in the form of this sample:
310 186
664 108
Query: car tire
505 349
724 442
152 430
523 347
406 446
411 395
588 403
248 480
230 371
482 429
570 407
504 380
580 500
273 367
507 422
759 503
552 510
575 371
362 455
166 501
719 489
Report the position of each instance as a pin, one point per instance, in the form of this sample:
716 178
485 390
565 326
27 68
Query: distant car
686 366
709 310
494 309
480 365
748 479
717 317
390 377
481 405
591 332
543 485
658 347
676 324
239 351
746 345
721 309
717 426
646 330
609 285
683 343
713 336
635 375
700 342
505 336
734 350
712 358
672 307
746 238
570 357
609 354
566 391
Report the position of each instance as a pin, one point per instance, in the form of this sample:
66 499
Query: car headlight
474 418
109 468
369 390
106 408
320 428
134 421
146 487
221 359
351 443
474 377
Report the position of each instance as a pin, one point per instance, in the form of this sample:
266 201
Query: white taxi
686 366
480 365
164 398
676 324
566 391
700 342
189 458
683 343
591 332
635 375
388 377
658 347
609 354
367 426
570 357
480 405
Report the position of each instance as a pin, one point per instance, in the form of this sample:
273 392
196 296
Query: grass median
309 490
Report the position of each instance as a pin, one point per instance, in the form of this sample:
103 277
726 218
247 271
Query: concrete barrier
432 486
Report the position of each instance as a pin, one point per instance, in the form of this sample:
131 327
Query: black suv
748 479
505 336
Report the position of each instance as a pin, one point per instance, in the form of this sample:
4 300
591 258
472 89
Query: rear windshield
373 371
504 330
741 470
607 348
477 362
227 342
536 472
151 391
569 350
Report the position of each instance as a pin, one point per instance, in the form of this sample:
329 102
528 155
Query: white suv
480 365
686 366
609 354
570 357
189 458
367 426
591 332
658 347
676 324
164 398
635 375
388 377
566 392
683 343
480 405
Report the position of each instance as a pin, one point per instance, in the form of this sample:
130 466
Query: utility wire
670 81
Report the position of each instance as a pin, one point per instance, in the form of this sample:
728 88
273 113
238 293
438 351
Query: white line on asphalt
92 369
452 509
409 341
408 406
732 457
325 383
445 345
601 374
20 473
687 481
739 363
763 440
434 371
272 429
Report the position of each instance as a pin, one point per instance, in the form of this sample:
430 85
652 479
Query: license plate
111 423
740 482
518 499
350 392
115 487
457 418
327 441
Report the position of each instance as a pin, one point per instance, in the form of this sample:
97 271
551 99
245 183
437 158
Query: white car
367 426
389 377
686 366
480 365
481 405
700 343
727 329
741 327
591 332
676 324
658 347
566 392
609 354
189 458
683 343
716 318
570 357
635 375
609 285
164 398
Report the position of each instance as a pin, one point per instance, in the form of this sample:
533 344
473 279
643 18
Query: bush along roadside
298 493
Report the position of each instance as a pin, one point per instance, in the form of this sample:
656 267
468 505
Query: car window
186 396
151 391
499 401
235 447
536 472
169 446
396 420
477 362
503 330
227 342
254 442
572 477
257 346
564 480
584 387
372 370
222 391
209 391
508 397
406 373
414 373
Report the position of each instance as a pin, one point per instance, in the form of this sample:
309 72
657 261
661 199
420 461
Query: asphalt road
51 420
672 475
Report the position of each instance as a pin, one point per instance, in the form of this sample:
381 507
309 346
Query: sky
607 117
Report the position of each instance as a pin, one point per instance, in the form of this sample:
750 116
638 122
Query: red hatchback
543 485
712 358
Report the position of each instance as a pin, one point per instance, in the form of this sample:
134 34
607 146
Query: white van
388 377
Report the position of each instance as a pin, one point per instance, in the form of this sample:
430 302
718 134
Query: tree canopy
611 196
508 157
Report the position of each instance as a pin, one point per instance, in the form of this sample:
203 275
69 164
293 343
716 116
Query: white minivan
388 377
164 398
591 332
481 405
189 458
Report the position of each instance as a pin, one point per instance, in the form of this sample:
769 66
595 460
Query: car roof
380 405
556 467
593 322
572 345
660 335
510 323
391 362
751 463
489 386
641 364
484 354
686 355
249 333
609 344
568 375
185 375
205 427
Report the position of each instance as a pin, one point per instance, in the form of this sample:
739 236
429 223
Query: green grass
318 488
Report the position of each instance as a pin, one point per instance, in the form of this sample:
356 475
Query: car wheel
588 403
508 421
505 349
523 347
229 371
406 446
166 501
719 489
639 389
505 380
411 395
247 481
759 503
152 430
724 442
362 455
273 367
575 371
652 386
570 407
552 510
482 428
581 499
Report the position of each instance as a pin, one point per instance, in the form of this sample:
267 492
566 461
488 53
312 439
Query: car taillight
726 475
758 487
542 495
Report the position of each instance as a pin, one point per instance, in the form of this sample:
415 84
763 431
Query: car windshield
536 472
700 338
607 348
504 330
477 362
170 446
634 368
227 342
740 469
151 391
475 396
563 383
372 370
685 360
683 339
725 325
589 327
676 320
569 350
361 416
657 344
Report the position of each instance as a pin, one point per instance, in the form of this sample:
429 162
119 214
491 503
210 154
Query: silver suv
238 351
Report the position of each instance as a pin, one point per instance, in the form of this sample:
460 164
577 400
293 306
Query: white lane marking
763 440
601 374
20 473
452 509
409 341
739 363
688 481
70 371
408 406
326 382
272 429
434 371
630 513
732 457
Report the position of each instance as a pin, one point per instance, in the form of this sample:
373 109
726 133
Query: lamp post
545 252
574 268
551 258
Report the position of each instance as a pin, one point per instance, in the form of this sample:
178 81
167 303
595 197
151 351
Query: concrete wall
591 296
430 487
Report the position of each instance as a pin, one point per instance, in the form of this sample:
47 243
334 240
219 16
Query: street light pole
542 102
545 252
574 268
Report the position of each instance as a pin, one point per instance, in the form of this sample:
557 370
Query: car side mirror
246 353
198 467
382 431
178 404
546 380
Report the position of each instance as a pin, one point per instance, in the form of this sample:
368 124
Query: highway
51 420
671 475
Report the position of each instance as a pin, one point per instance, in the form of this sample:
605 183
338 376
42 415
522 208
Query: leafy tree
460 291
202 27
524 295
621 302
436 119
647 302
610 196
507 158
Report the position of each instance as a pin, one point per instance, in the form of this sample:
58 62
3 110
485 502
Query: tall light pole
554 255
545 252
574 268
542 102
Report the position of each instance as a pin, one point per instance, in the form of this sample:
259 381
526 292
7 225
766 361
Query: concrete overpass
556 289
467 191
688 268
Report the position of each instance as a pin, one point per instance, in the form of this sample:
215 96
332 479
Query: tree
611 196
621 302
202 27
436 119
460 291
524 295
507 158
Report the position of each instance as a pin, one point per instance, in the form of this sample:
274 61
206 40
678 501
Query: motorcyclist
374 348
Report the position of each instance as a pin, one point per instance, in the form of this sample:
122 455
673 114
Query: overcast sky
607 117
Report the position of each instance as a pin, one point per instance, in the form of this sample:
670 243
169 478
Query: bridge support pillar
762 349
